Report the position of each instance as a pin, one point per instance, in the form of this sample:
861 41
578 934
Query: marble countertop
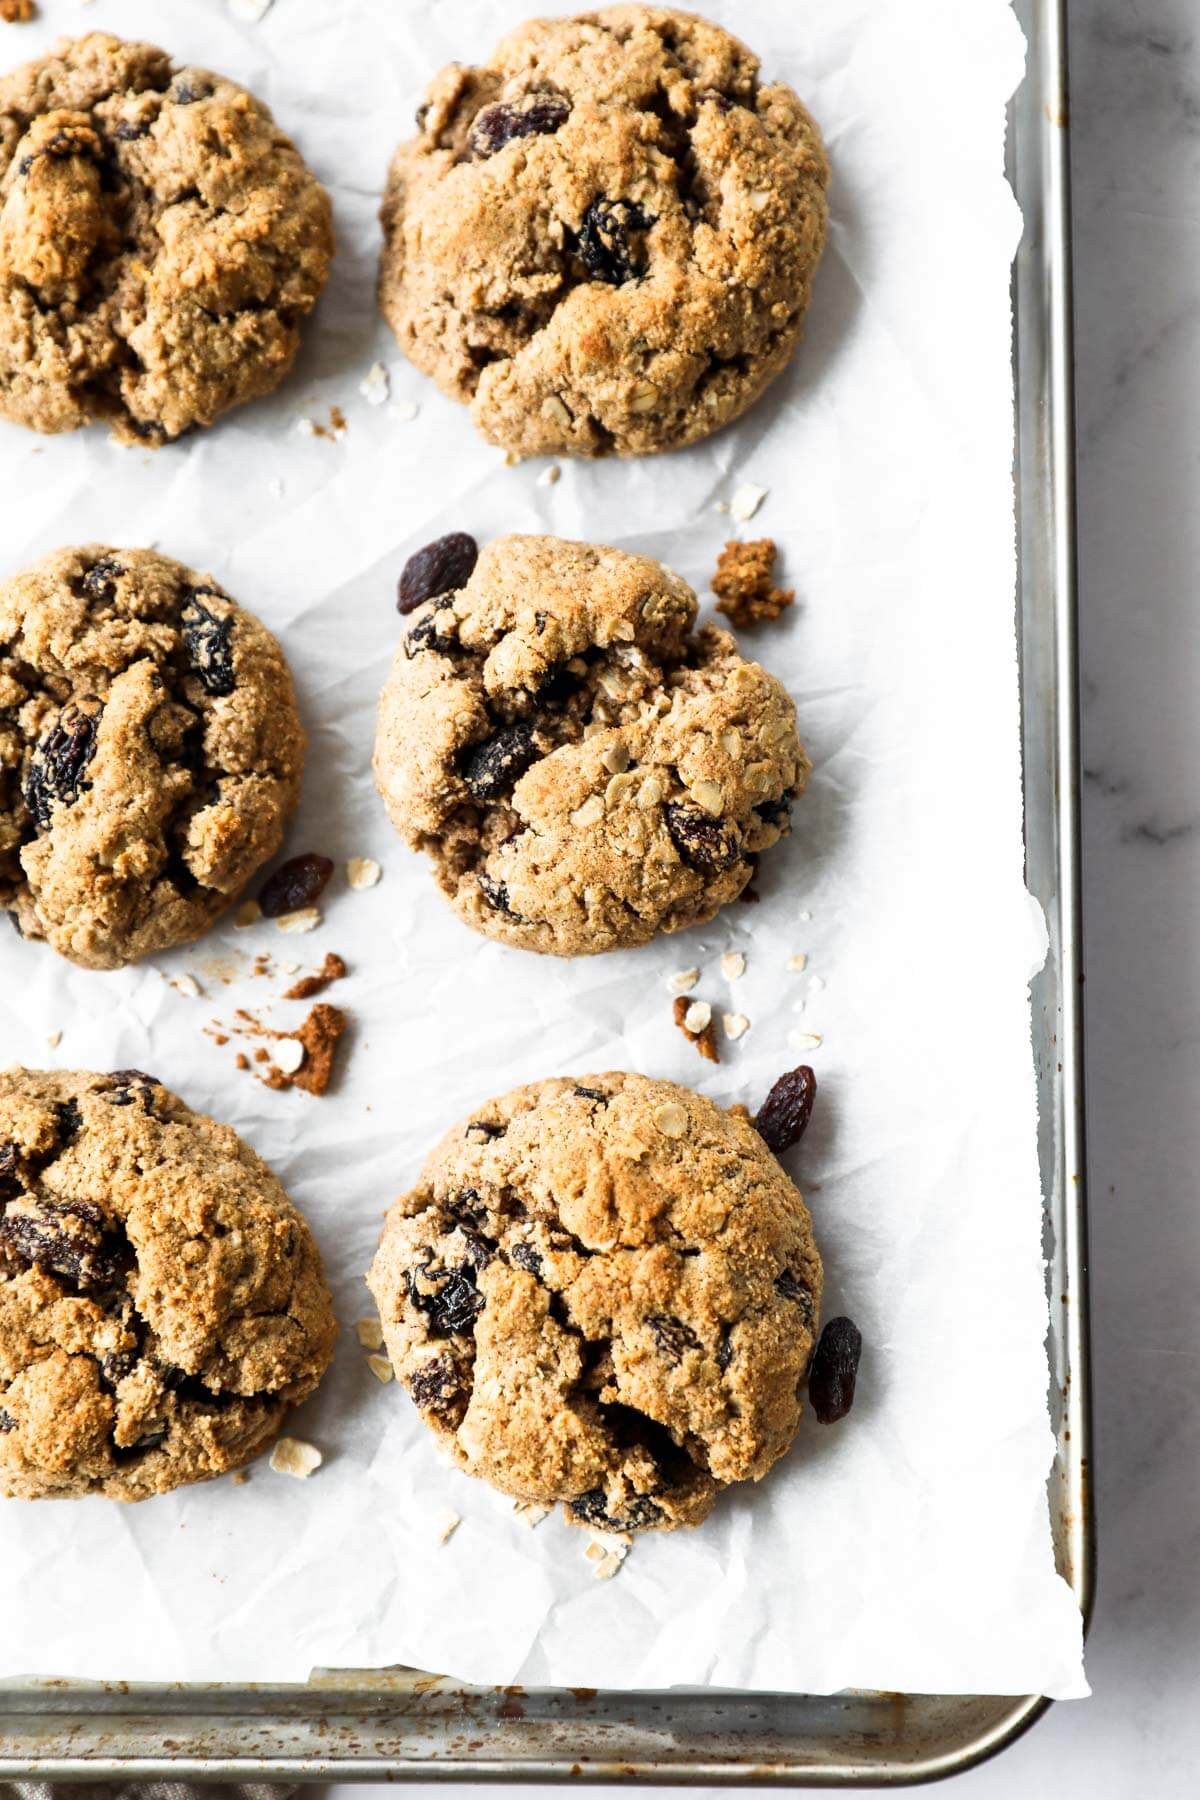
1136 161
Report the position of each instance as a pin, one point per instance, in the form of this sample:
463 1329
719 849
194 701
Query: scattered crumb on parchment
743 583
292 1456
694 1018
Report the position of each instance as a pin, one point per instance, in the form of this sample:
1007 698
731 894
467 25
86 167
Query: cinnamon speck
745 591
701 1031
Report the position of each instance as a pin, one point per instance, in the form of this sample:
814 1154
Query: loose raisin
295 884
59 759
494 766
792 1288
438 568
672 1336
206 638
498 125
66 1237
834 1371
704 843
604 241
784 1114
436 1385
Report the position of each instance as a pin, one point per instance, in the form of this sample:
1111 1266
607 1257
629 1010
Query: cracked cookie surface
583 768
162 1304
604 237
161 241
150 752
603 1291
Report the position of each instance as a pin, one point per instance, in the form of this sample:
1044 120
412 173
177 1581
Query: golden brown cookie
161 241
162 1305
604 237
603 1291
150 752
583 768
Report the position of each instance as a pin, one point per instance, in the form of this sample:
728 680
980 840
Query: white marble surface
1136 154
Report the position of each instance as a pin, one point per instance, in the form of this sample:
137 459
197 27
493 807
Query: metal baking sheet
405 1725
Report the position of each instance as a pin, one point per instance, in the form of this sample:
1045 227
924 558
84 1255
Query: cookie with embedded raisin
583 767
604 237
150 752
605 1292
162 1303
161 242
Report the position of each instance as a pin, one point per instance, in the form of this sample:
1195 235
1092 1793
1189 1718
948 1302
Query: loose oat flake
54 1039
307 918
380 1368
746 502
288 1055
188 986
797 962
698 1016
292 1456
736 1024
733 965
683 981
370 1333
530 1513
374 385
549 476
406 410
448 1527
363 872
805 1040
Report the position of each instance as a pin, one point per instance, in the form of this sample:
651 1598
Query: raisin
834 1370
672 1336
436 1385
704 843
487 1128
425 635
725 1350
586 1093
7 1422
527 1258
185 90
604 246
440 568
129 1085
466 1208
776 812
639 1515
8 1169
495 765
59 759
722 102
496 895
295 884
206 638
792 1288
498 125
450 1303
66 1237
99 583
126 132
67 1117
784 1114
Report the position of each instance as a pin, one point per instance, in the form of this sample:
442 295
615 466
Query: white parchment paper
908 1548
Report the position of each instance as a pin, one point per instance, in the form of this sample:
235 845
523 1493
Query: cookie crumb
54 1039
375 385
305 918
240 1478
241 1060
449 1525
17 12
381 1368
363 872
746 501
369 1333
733 965
331 970
743 586
549 476
736 1025
307 428
683 981
320 1035
530 1513
292 1456
248 913
696 1023
607 1554
797 963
